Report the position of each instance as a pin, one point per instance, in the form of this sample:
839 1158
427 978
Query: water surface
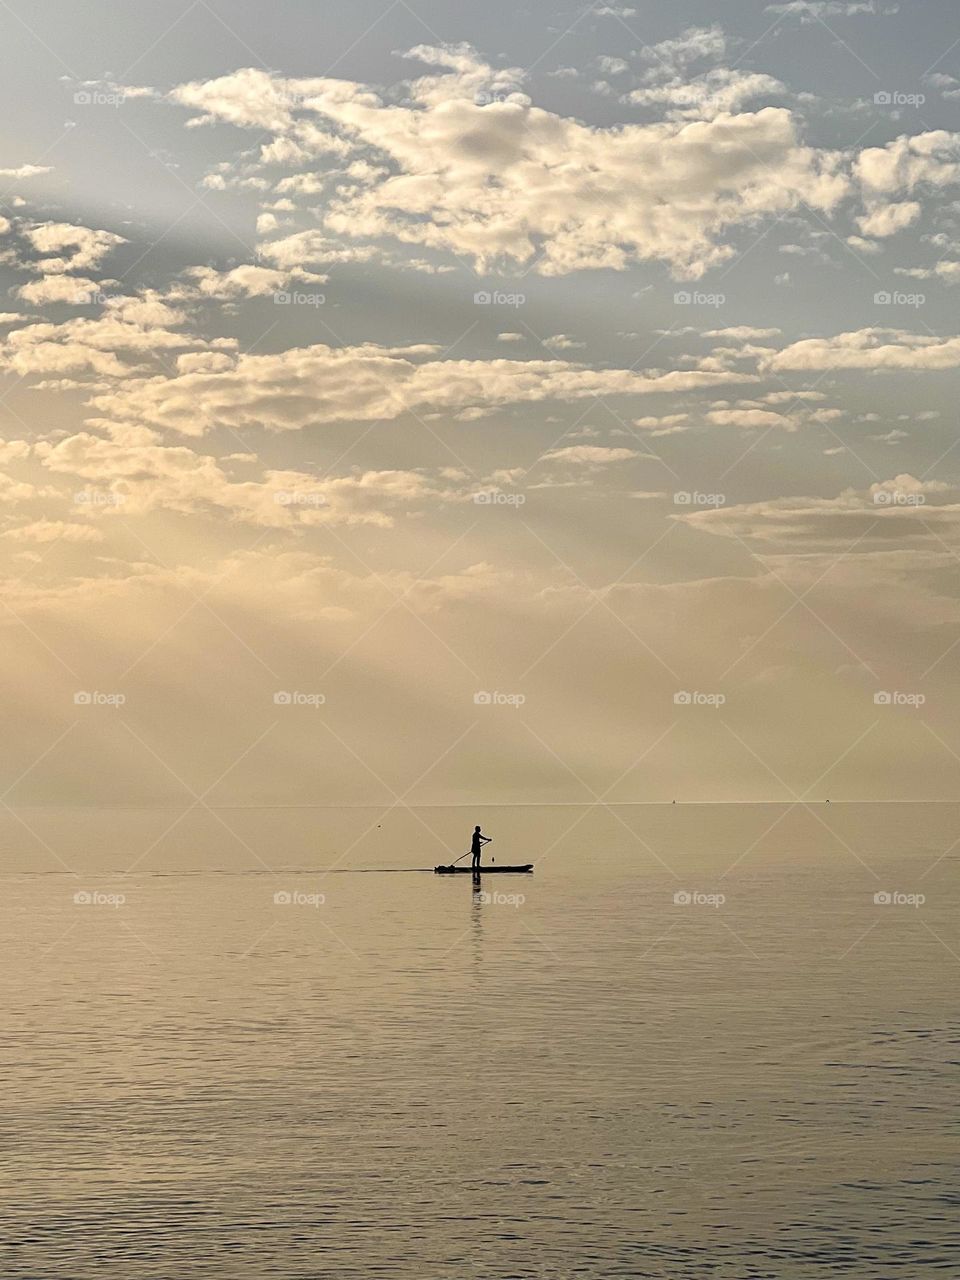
580 1074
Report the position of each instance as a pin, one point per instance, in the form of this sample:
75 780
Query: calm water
408 1080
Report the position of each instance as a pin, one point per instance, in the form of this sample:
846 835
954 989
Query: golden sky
518 406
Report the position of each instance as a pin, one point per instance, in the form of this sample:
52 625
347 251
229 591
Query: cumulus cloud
468 165
948 271
888 219
869 349
66 247
78 291
908 162
308 386
136 327
762 418
562 342
141 473
720 90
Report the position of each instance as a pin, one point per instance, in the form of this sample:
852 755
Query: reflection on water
636 1062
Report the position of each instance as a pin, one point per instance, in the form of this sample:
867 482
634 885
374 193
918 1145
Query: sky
440 403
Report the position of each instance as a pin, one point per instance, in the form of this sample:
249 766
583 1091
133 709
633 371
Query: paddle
469 851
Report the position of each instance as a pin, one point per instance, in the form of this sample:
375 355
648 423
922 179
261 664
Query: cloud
751 418
78 291
74 248
891 514
695 44
54 531
134 326
246 281
562 342
948 271
294 251
908 162
742 333
590 455
711 94
811 10
308 386
26 171
466 164
888 219
142 474
869 349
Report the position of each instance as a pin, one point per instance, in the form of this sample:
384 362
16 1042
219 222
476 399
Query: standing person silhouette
479 840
